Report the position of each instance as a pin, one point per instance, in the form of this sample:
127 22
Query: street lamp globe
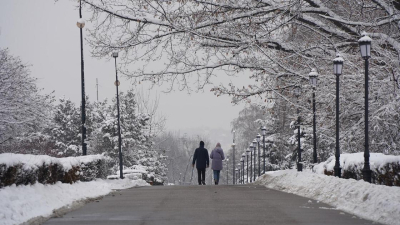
255 142
338 65
243 156
258 137
264 130
80 23
297 91
365 45
313 75
248 151
114 54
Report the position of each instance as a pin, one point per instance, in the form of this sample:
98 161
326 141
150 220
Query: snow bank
21 203
374 202
385 168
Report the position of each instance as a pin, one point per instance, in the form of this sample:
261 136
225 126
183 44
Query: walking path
239 204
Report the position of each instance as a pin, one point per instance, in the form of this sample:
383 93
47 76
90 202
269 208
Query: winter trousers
216 176
201 174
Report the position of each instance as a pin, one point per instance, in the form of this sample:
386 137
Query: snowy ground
22 203
373 202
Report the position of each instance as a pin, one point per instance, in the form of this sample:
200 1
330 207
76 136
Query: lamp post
121 175
313 75
81 23
227 176
233 158
337 70
247 163
365 49
255 144
258 140
253 148
297 93
236 171
251 162
242 160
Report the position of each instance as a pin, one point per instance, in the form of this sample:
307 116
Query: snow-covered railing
385 168
21 169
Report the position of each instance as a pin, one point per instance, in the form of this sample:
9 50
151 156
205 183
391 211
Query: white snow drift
19 204
373 202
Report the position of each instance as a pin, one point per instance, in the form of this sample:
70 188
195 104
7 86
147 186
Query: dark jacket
201 156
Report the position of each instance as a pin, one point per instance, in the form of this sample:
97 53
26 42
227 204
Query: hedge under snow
385 168
27 169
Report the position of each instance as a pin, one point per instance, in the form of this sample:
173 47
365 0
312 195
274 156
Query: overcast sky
44 34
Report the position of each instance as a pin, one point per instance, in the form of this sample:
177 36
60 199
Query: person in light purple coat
217 155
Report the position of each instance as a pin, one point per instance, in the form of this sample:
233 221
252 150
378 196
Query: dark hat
201 143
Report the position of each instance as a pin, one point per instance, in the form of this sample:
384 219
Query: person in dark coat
202 161
217 155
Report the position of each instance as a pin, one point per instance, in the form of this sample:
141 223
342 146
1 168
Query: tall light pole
236 171
297 93
255 145
121 175
259 140
365 49
251 163
233 159
81 24
313 75
242 160
227 167
247 163
337 70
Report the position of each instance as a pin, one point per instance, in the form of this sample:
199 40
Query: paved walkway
240 204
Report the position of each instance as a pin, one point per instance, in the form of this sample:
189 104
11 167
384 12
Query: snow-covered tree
24 109
66 128
278 43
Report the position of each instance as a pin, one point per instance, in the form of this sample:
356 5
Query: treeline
32 123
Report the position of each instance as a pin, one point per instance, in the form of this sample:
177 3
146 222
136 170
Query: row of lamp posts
254 153
365 50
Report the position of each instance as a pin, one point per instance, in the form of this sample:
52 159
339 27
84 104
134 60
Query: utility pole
97 88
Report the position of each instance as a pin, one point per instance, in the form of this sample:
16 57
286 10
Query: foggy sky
43 33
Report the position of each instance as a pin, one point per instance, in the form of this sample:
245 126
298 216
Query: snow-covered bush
22 169
385 168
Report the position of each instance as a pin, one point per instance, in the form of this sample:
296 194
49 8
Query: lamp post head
114 54
297 91
264 130
338 65
313 75
80 23
365 45
248 151
255 143
243 155
258 137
